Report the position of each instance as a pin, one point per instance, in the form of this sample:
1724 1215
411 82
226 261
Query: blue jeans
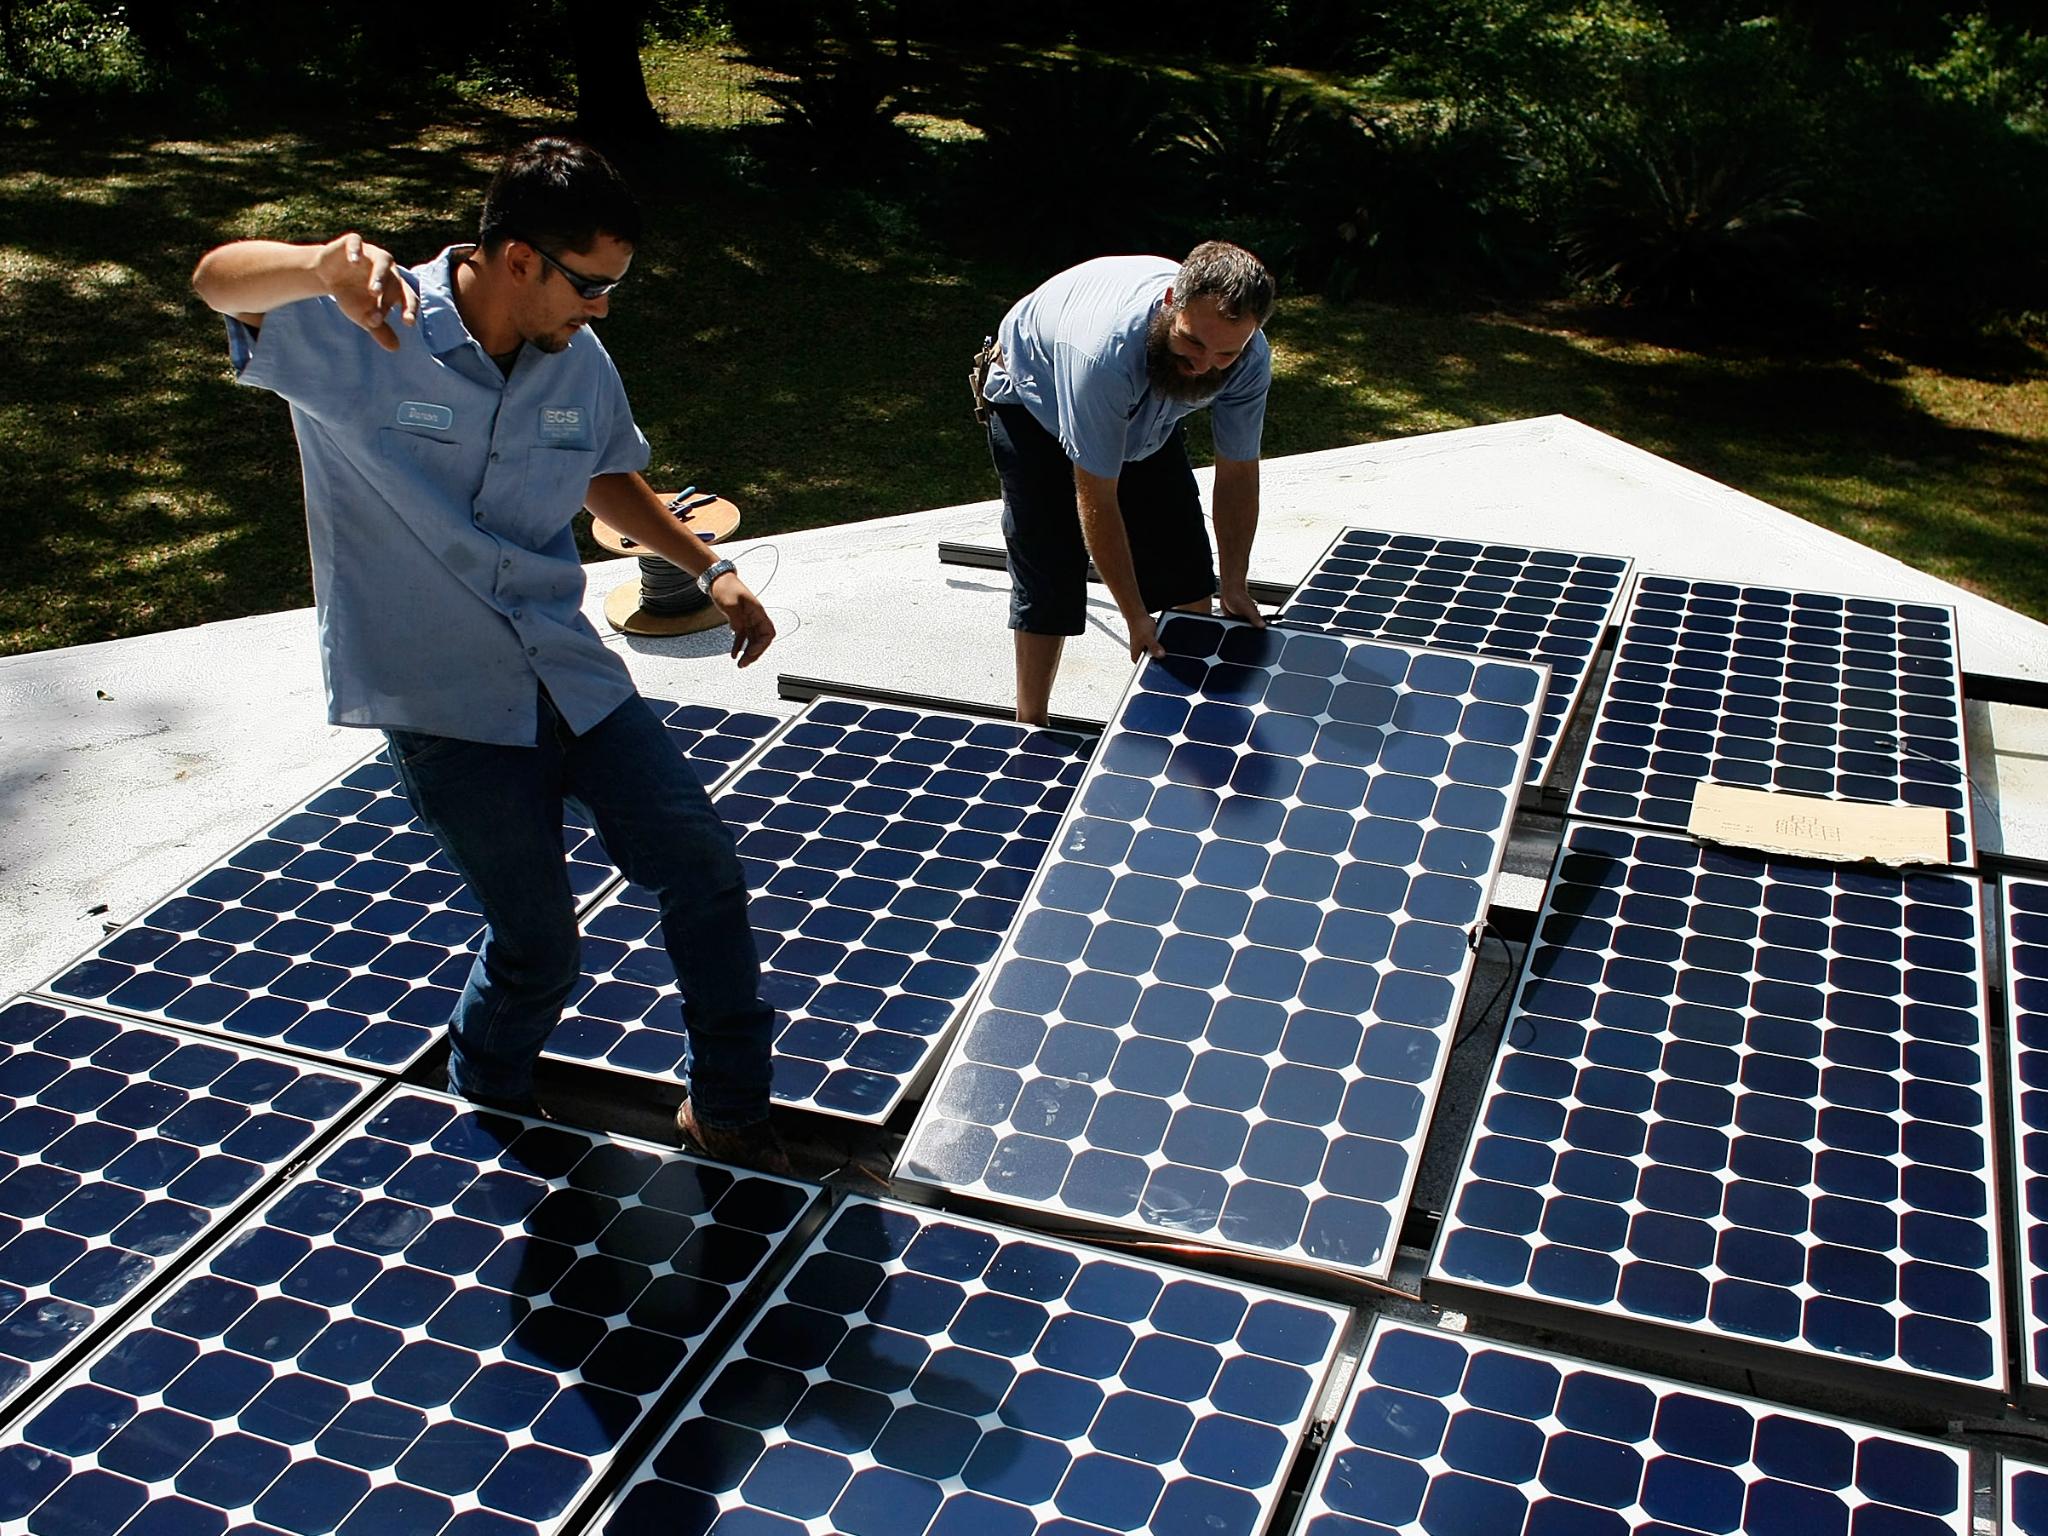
497 813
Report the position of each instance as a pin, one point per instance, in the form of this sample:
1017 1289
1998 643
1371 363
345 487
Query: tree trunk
611 91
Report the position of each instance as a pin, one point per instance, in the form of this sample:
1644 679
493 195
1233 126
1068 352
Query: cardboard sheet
1843 832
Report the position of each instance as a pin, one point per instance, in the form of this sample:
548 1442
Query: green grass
803 351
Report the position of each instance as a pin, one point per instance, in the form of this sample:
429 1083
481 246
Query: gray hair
1231 275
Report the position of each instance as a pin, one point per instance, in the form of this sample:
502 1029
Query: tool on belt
977 376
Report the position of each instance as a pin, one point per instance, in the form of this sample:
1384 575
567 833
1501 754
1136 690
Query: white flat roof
127 767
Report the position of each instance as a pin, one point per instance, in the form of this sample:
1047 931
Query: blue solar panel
2026 1499
1847 698
1456 1436
450 1323
886 850
121 1148
342 931
925 1375
1547 605
1226 1006
2025 905
1749 1098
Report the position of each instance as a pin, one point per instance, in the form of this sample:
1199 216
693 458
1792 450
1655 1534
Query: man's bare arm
1109 546
1235 507
625 502
249 278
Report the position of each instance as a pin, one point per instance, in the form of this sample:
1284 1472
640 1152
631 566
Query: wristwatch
717 569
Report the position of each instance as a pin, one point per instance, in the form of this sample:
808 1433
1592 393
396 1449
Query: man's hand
752 630
1145 638
362 279
1238 604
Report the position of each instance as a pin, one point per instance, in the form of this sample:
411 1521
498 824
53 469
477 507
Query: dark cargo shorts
1042 529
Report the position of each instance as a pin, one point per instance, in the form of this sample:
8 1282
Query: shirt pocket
557 480
435 460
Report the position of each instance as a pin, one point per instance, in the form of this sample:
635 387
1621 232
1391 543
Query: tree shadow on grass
1828 439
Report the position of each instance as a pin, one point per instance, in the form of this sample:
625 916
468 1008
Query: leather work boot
755 1146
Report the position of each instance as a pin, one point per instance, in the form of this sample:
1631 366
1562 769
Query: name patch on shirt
421 413
563 423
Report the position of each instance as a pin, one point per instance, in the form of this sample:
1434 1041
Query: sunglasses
586 287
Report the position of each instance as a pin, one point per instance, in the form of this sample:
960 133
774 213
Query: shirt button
533 650
518 613
494 458
504 565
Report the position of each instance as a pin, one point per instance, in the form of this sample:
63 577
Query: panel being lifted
886 850
1226 1007
927 1375
1748 1100
342 931
451 1322
123 1147
1847 698
1449 1434
1508 600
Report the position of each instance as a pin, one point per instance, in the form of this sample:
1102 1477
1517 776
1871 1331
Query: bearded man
1092 377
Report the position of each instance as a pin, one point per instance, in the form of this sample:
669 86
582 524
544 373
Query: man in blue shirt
1095 373
445 458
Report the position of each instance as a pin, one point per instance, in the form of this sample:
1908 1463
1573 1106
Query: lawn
802 348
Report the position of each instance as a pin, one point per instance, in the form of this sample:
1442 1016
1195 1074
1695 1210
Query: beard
1164 372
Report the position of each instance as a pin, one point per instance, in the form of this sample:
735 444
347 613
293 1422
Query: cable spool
666 600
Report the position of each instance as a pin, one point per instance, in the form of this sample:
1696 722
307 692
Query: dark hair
560 194
1231 275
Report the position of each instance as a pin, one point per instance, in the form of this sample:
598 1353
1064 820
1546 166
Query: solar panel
2025 905
886 850
926 1375
341 930
1747 1098
1846 698
1547 605
121 1148
2026 1498
1226 1006
451 1322
1450 1434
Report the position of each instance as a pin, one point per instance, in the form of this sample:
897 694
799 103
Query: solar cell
341 930
449 1323
2024 903
1225 1007
121 1148
1450 1434
922 1373
1846 698
1749 1098
1547 605
2026 1498
886 850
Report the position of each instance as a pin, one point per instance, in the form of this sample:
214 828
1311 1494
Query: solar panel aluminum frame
1255 1261
913 1085
1962 835
1609 1322
46 990
742 1304
1542 767
2029 1274
172 1267
1314 1504
1328 1377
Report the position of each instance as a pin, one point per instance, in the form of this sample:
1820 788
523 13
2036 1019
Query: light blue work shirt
1074 354
439 498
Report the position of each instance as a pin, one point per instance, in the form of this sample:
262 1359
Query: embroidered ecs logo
420 413
561 423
